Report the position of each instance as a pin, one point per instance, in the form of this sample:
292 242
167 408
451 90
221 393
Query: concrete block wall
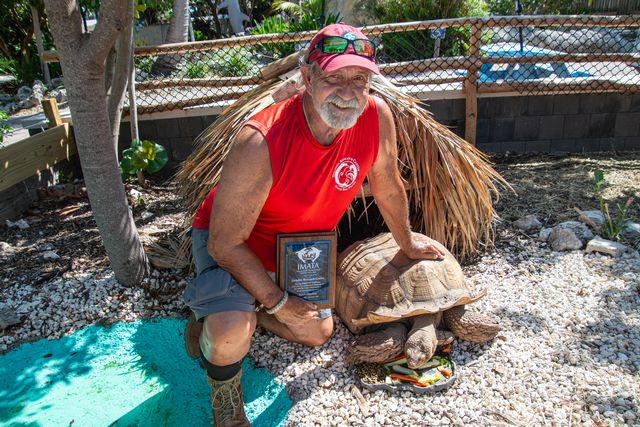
545 123
175 135
549 123
17 198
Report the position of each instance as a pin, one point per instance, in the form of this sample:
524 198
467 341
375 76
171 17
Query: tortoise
399 302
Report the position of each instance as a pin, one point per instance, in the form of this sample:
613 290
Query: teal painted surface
129 374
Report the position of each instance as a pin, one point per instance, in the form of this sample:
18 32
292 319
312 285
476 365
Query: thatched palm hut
450 183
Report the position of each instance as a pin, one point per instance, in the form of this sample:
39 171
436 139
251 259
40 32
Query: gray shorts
213 290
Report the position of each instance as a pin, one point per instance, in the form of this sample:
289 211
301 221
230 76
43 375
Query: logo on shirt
346 173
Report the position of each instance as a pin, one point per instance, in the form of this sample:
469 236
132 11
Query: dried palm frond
167 253
450 182
201 170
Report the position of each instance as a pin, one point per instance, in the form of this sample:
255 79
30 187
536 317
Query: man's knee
321 333
226 336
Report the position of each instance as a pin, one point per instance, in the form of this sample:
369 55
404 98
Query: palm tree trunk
178 33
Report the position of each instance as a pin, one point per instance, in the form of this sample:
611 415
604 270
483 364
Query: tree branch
107 29
66 22
6 50
121 73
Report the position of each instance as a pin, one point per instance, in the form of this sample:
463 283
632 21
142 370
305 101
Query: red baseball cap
334 61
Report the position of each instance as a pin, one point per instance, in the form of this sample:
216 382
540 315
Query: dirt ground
547 186
551 186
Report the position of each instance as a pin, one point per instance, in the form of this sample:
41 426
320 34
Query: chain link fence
521 54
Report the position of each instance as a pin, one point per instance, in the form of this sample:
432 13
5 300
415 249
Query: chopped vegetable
398 361
408 379
401 370
430 377
445 371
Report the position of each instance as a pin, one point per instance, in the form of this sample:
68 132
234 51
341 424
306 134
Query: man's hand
297 311
422 247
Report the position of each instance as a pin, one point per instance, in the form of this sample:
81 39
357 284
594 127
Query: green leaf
160 159
148 150
126 165
135 144
599 176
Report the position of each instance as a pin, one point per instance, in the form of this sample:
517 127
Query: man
294 167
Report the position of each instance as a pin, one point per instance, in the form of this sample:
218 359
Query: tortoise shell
378 283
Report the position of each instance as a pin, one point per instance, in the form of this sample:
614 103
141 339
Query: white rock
6 249
24 92
21 224
604 246
544 234
631 230
564 239
528 223
146 215
8 318
51 255
594 216
135 193
44 247
579 229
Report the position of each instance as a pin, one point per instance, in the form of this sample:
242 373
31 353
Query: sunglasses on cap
337 45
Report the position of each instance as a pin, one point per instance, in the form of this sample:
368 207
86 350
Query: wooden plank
28 157
552 87
568 57
430 64
471 89
281 66
200 82
51 112
374 30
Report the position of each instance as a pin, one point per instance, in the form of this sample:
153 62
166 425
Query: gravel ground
568 354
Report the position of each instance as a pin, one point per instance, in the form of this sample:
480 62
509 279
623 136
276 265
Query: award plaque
307 266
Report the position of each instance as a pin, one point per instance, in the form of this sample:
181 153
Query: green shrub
273 25
234 62
5 129
612 225
535 7
412 45
196 70
145 63
7 66
142 156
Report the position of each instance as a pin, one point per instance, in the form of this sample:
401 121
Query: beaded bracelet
279 305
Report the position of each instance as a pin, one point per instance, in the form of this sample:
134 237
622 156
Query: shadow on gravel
602 335
521 320
612 401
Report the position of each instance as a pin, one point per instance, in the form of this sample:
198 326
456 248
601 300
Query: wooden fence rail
469 64
32 155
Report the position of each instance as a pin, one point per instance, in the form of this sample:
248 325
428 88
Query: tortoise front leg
471 326
422 339
380 345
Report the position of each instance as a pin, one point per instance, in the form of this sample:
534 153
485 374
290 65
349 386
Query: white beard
339 120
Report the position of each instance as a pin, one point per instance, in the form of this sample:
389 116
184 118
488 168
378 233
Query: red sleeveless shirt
313 184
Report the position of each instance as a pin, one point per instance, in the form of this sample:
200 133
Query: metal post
133 110
519 13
